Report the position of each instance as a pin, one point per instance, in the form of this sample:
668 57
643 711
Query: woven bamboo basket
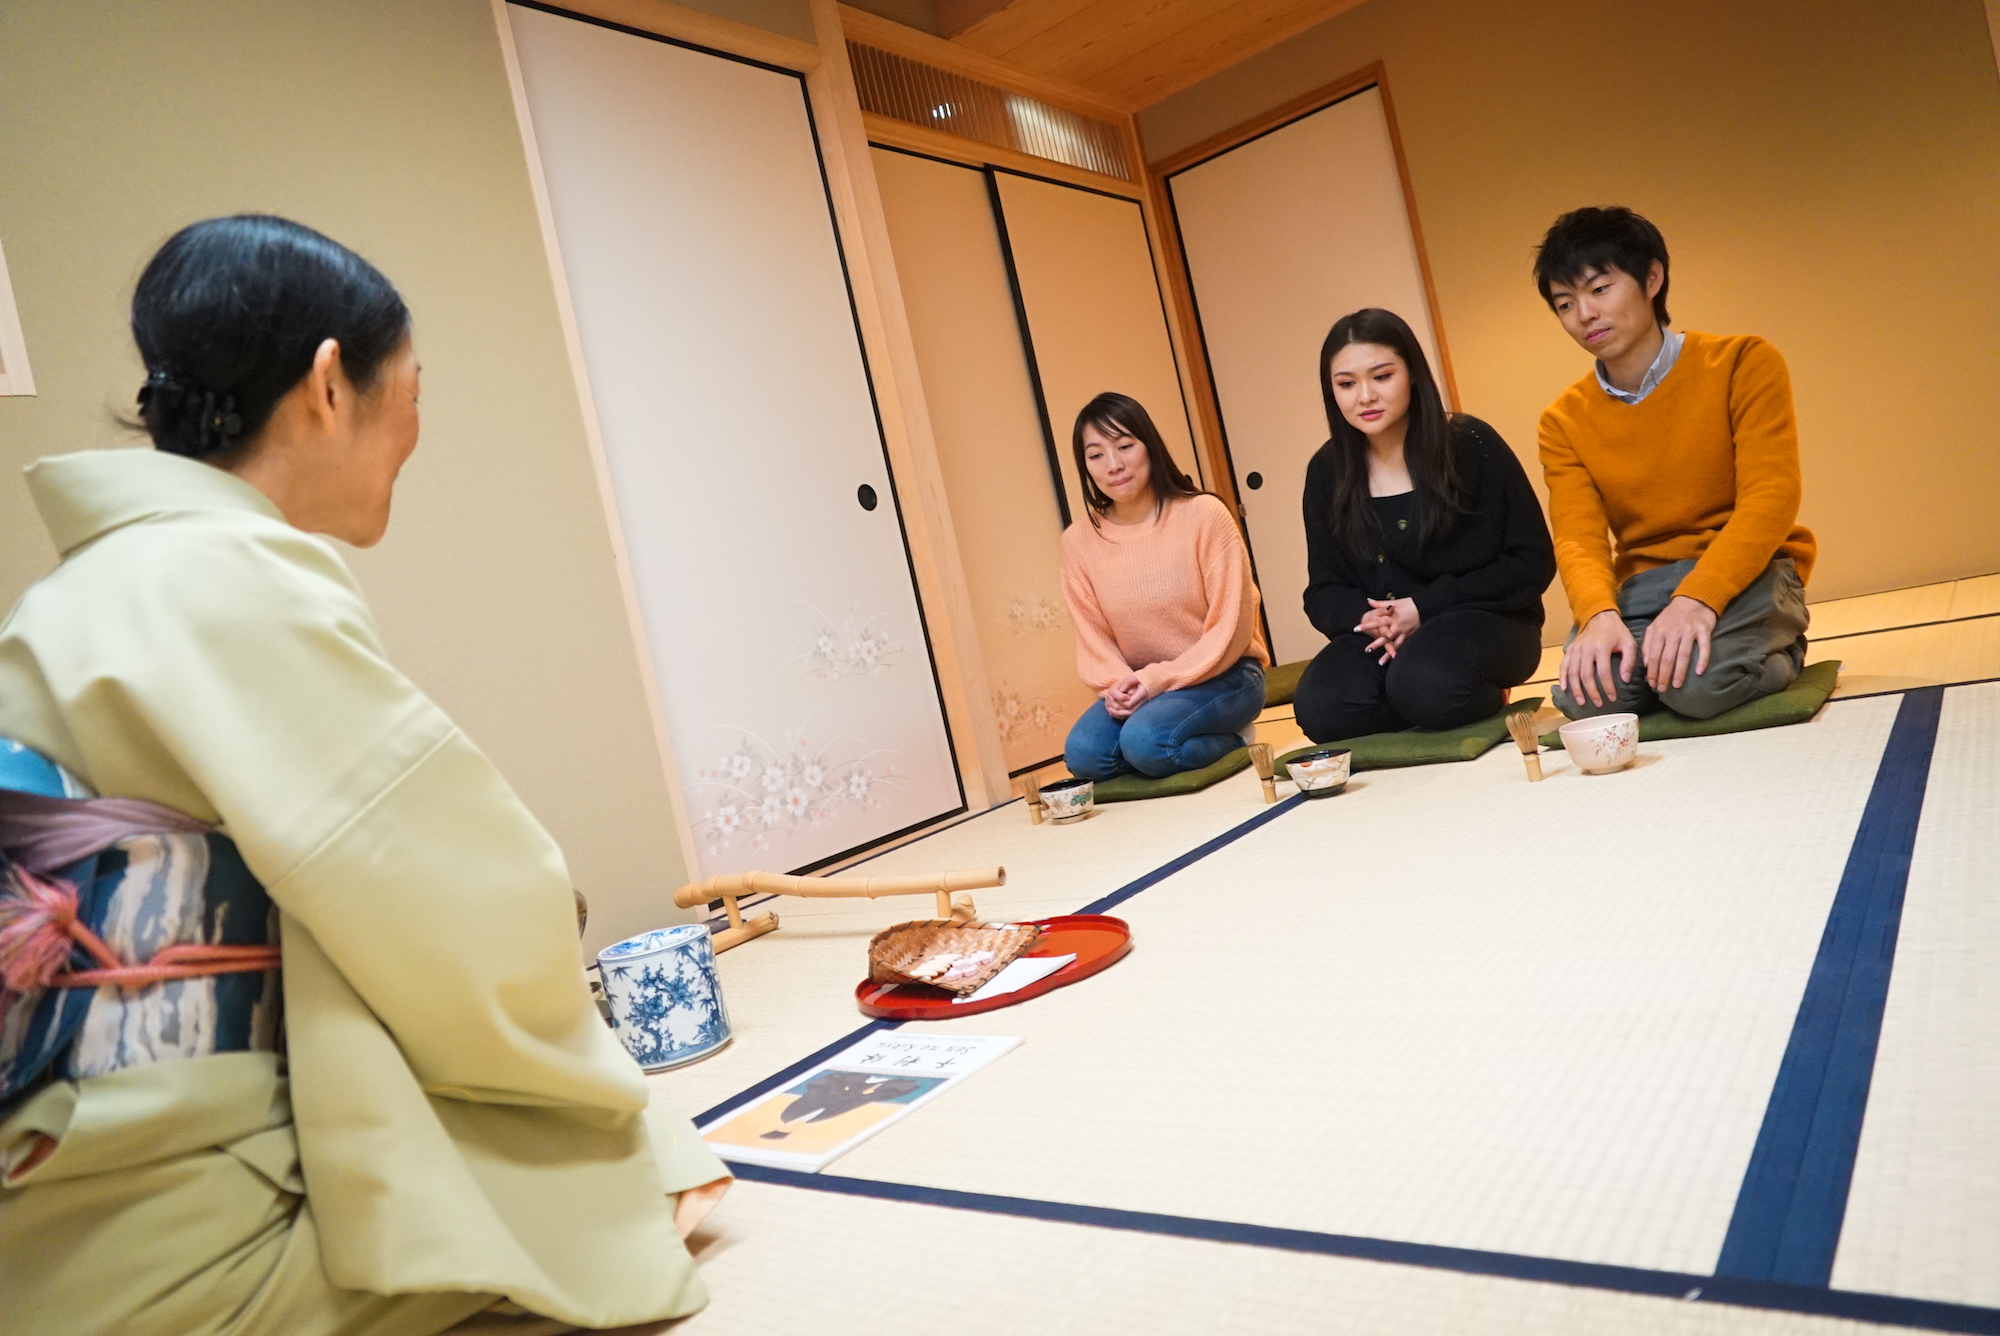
911 952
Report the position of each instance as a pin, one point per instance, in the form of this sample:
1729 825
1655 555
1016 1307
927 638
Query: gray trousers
1758 646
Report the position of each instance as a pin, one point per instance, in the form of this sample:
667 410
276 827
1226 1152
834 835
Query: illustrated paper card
807 1123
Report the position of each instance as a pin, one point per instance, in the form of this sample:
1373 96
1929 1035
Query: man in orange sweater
1673 473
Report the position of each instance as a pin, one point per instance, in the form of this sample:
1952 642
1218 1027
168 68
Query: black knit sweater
1498 558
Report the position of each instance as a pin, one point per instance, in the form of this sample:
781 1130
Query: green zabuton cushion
1131 788
1420 746
1794 705
1281 682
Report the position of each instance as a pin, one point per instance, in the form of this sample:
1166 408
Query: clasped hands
1124 696
1390 621
1680 635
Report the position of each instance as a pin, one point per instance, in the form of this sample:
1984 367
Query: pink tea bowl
1603 744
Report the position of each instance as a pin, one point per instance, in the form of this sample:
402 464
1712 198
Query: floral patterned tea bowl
1603 744
1321 774
1068 799
665 1002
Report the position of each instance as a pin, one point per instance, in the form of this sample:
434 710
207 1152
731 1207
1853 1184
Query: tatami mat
1456 1011
778 1259
1923 1214
1359 1020
1932 635
792 991
1976 597
1962 651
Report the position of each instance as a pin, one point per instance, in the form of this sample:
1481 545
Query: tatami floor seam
1753 1293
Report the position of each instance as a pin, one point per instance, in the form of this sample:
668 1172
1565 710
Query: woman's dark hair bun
229 315
168 400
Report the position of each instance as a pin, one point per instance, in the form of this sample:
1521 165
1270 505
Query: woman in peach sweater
1157 579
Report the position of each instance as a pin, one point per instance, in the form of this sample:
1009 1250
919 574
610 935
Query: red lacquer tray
1098 940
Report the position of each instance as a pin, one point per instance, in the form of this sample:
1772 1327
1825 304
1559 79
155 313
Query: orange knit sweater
1171 599
1706 466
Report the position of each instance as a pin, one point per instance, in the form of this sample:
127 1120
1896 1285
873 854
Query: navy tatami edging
1786 1226
1191 857
1117 897
1794 1220
1887 1309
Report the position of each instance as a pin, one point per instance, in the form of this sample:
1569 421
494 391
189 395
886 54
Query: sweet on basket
957 957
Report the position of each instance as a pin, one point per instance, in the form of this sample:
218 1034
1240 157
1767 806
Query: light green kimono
458 1122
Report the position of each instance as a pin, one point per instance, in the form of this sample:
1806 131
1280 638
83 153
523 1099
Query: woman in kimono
442 1130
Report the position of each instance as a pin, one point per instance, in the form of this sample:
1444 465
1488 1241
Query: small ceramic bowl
1068 799
665 1001
1320 774
1603 744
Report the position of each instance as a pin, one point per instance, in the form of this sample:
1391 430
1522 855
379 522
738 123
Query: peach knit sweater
1171 599
1706 466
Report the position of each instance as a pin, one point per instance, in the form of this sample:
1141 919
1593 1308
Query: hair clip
220 418
158 380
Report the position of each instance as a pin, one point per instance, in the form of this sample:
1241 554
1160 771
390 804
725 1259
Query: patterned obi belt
129 934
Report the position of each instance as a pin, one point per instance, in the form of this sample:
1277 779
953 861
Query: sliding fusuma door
696 248
1283 235
1091 310
999 475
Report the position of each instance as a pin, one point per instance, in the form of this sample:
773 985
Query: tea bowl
1068 799
1321 774
1602 744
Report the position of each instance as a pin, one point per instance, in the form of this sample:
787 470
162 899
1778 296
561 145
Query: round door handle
1254 481
866 496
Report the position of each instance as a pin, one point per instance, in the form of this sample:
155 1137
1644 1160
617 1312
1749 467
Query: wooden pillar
885 328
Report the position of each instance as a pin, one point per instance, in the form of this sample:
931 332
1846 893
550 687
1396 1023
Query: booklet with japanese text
808 1123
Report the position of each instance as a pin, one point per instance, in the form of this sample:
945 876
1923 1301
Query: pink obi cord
39 927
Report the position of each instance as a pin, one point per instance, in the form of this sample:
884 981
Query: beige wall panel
1283 236
989 444
495 588
1824 175
1094 314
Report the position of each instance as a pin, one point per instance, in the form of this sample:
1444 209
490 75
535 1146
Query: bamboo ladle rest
734 885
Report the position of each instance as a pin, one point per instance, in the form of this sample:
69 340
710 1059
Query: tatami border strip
1907 626
1191 857
1794 1194
1789 1211
1104 905
1882 1308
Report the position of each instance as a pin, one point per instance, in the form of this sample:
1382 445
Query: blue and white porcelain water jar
666 1003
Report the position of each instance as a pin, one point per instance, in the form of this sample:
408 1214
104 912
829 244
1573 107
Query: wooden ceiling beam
1213 46
955 16
1022 21
1136 52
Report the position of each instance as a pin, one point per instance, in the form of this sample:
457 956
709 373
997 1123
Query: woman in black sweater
1427 551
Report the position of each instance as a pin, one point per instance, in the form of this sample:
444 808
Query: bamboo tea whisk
1260 756
1031 794
1521 724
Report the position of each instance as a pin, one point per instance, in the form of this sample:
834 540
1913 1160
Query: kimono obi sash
141 891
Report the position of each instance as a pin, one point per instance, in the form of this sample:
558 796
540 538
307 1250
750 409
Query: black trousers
1449 673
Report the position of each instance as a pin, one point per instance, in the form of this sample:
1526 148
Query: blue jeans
1175 731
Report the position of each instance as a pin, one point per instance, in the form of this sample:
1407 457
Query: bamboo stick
755 926
727 887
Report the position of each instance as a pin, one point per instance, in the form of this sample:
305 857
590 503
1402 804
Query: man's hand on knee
1680 634
1586 664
